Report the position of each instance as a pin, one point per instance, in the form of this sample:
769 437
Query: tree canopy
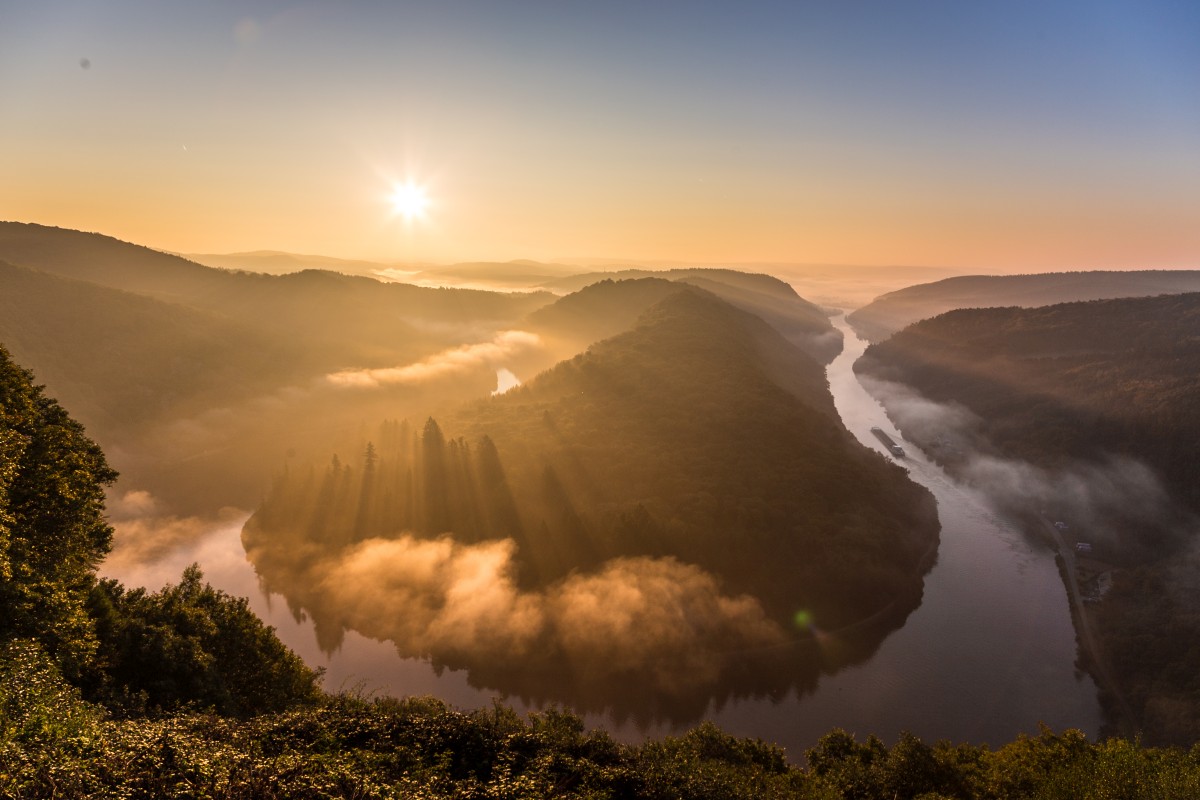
52 527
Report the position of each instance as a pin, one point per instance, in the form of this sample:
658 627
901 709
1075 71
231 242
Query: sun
409 201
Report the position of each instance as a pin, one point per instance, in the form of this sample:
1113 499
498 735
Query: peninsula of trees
699 448
106 691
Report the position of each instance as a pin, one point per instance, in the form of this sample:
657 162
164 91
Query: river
989 654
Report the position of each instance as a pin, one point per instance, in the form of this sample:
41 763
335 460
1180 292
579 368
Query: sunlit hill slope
694 461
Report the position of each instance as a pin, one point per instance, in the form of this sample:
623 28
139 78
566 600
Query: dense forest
1104 397
893 311
235 375
696 458
54 745
109 691
246 370
130 650
767 297
183 693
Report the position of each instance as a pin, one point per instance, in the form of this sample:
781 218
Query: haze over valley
465 474
599 400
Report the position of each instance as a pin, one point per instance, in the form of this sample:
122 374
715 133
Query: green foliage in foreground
190 646
54 744
52 528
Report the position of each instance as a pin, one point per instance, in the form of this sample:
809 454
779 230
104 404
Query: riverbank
1092 654
986 654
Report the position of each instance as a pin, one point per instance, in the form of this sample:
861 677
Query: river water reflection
989 653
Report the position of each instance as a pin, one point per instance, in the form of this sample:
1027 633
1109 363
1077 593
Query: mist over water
664 621
369 665
989 653
505 380
1094 498
456 360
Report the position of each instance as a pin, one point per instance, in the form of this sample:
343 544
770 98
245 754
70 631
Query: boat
888 442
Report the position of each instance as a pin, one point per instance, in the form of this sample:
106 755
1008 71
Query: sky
997 136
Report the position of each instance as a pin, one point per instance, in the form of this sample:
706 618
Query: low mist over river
989 653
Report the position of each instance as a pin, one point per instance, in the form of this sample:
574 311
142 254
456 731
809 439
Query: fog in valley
642 400
630 493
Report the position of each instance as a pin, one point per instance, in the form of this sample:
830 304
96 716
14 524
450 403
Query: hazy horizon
1029 137
810 370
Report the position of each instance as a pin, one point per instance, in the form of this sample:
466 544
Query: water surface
989 654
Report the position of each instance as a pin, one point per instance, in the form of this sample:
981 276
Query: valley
411 525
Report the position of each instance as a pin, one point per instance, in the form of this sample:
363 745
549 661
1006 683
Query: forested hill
804 324
1085 392
609 307
1069 381
670 455
367 320
90 344
895 310
687 417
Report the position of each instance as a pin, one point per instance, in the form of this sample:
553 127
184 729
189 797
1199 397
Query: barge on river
888 442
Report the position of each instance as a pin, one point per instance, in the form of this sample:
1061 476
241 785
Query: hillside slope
123 360
1092 412
801 322
666 466
362 321
893 311
1066 382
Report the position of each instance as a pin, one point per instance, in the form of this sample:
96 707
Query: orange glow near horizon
787 136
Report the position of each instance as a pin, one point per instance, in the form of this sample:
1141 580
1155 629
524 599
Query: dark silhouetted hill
687 416
895 310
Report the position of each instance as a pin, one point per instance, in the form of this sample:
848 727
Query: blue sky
1013 134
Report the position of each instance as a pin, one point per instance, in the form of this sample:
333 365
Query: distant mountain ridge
361 320
893 311
123 359
278 262
609 306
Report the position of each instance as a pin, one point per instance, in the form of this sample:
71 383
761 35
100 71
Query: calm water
989 654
